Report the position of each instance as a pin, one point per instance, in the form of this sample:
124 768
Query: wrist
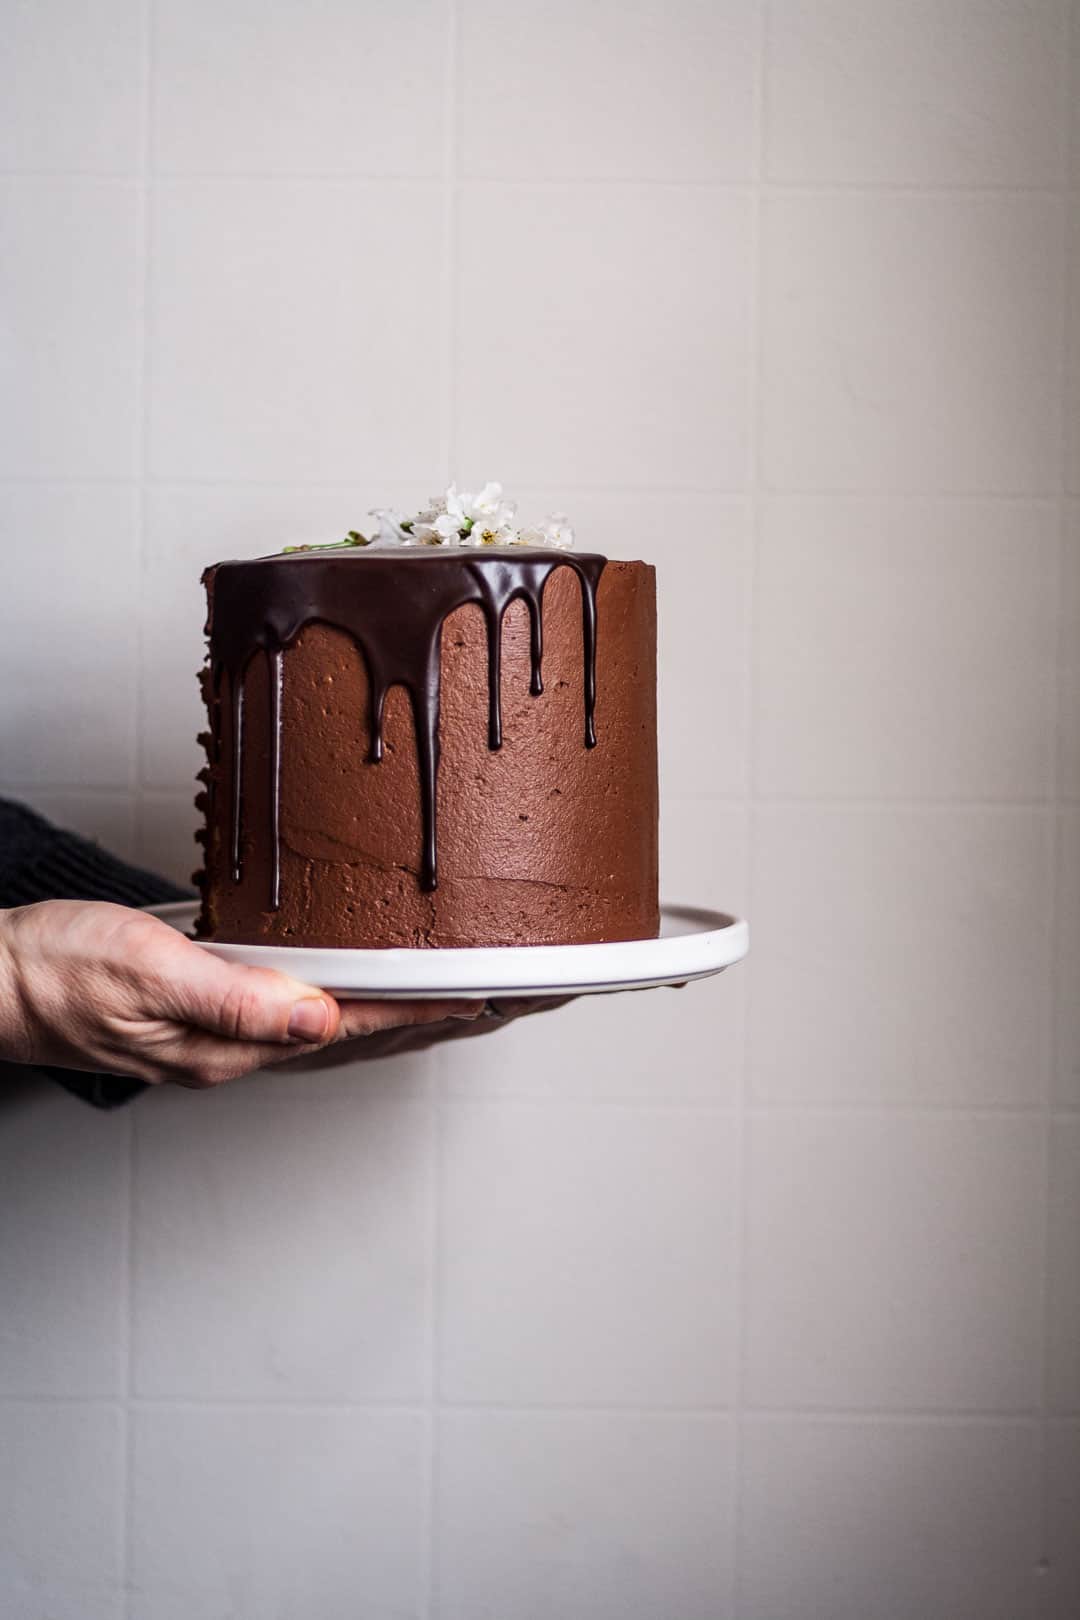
16 1045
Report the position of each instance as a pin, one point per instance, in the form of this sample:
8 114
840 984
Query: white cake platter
693 944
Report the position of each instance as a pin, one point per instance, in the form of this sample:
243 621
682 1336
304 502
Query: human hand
396 1042
89 985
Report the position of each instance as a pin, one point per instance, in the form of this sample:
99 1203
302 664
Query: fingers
360 1018
201 1061
510 1007
493 1015
246 1004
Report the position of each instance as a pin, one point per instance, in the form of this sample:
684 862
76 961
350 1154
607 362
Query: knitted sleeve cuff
41 862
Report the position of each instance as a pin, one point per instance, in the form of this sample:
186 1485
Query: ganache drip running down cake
441 736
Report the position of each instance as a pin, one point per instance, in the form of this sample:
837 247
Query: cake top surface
458 527
451 557
457 521
461 518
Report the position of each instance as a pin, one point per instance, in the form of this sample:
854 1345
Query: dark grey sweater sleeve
41 862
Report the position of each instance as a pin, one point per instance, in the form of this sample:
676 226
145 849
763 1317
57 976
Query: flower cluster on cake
441 733
458 519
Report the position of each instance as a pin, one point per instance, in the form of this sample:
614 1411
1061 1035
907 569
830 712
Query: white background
757 1301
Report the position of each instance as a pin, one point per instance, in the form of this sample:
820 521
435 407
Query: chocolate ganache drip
394 605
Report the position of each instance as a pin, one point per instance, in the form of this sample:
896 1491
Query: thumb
249 1003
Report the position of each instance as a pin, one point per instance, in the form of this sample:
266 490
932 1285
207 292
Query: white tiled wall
753 1302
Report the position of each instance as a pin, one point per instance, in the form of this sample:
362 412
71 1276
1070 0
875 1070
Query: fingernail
309 1020
471 1013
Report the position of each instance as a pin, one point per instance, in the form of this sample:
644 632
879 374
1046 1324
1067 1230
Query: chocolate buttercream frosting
295 639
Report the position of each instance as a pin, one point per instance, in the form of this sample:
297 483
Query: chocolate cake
428 746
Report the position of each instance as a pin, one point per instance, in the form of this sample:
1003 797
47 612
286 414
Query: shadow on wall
21 1088
276 1232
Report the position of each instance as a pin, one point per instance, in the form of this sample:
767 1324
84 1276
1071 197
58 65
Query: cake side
539 840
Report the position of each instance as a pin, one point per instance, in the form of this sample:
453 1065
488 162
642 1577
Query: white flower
422 526
443 521
445 529
493 519
486 509
435 507
487 533
556 532
389 531
488 504
460 518
464 519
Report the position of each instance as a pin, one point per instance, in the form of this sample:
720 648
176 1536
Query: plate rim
719 940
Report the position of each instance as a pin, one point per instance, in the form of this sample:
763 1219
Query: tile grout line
434 1217
381 178
1045 805
127 1406
1055 841
929 1416
452 227
144 269
739 1239
431 1596
914 495
789 1110
142 468
707 1108
430 1591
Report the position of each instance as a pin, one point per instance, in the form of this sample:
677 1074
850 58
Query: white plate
693 944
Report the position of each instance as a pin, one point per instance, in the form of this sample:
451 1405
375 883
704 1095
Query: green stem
352 539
